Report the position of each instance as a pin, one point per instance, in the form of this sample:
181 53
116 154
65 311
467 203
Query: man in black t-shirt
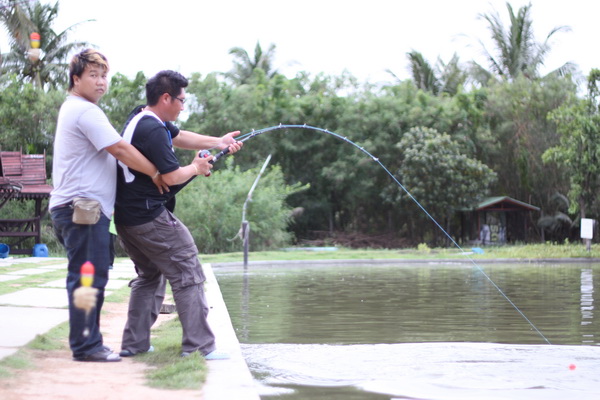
158 243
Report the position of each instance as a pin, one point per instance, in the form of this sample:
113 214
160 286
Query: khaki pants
164 249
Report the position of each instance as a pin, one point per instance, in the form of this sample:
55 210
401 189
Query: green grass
11 365
55 339
518 252
171 371
30 281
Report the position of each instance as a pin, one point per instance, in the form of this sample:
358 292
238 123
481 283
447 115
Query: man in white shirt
86 149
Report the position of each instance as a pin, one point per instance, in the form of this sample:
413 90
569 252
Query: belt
65 205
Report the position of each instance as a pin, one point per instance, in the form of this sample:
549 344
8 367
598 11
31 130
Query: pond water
418 331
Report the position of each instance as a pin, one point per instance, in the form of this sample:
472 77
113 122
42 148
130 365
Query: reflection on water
380 332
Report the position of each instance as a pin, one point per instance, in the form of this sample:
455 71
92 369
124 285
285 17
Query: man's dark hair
168 81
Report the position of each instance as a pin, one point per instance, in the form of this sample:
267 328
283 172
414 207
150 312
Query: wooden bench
11 164
27 171
33 169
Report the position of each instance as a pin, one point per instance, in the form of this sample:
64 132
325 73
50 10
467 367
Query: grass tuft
168 369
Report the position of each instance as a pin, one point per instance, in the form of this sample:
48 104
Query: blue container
40 250
4 250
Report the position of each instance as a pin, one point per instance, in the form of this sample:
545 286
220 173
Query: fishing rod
255 133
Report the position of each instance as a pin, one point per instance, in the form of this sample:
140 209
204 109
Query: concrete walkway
33 311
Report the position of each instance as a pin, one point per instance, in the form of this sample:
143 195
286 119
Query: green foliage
578 152
423 248
245 66
212 209
27 116
503 123
439 175
516 53
444 78
50 70
123 96
517 116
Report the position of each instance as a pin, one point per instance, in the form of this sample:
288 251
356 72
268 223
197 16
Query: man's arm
195 141
199 166
131 157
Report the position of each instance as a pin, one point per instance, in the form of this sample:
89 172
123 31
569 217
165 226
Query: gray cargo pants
164 248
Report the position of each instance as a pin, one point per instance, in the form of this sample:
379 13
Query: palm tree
516 51
50 69
244 66
423 73
12 15
441 78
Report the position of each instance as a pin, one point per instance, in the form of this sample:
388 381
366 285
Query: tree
517 115
439 176
516 50
555 224
244 65
441 78
27 116
50 69
17 22
423 73
578 123
122 97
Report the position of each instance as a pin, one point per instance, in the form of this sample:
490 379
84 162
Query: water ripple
440 371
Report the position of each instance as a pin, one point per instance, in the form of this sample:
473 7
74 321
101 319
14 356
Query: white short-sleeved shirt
80 166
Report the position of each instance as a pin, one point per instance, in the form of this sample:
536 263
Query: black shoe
127 353
100 356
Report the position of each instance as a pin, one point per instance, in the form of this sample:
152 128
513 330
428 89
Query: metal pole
246 224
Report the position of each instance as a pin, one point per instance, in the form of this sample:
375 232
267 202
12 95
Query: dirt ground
57 376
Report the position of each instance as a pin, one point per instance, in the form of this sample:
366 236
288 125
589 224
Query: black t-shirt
139 202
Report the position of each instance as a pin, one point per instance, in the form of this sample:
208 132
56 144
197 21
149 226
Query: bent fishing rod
255 133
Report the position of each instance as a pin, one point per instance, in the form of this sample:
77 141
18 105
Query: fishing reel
204 154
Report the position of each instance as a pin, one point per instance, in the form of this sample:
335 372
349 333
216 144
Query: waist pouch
86 211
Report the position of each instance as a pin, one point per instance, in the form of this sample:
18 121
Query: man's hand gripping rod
206 153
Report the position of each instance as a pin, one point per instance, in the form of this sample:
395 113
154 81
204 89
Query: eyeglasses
181 100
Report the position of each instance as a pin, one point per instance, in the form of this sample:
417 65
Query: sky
364 38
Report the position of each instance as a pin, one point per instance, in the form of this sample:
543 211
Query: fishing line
254 133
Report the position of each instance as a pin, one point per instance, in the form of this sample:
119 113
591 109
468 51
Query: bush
212 209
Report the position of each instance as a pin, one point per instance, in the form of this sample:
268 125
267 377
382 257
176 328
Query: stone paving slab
6 278
20 325
113 284
30 271
59 283
36 297
53 267
121 275
27 260
7 351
